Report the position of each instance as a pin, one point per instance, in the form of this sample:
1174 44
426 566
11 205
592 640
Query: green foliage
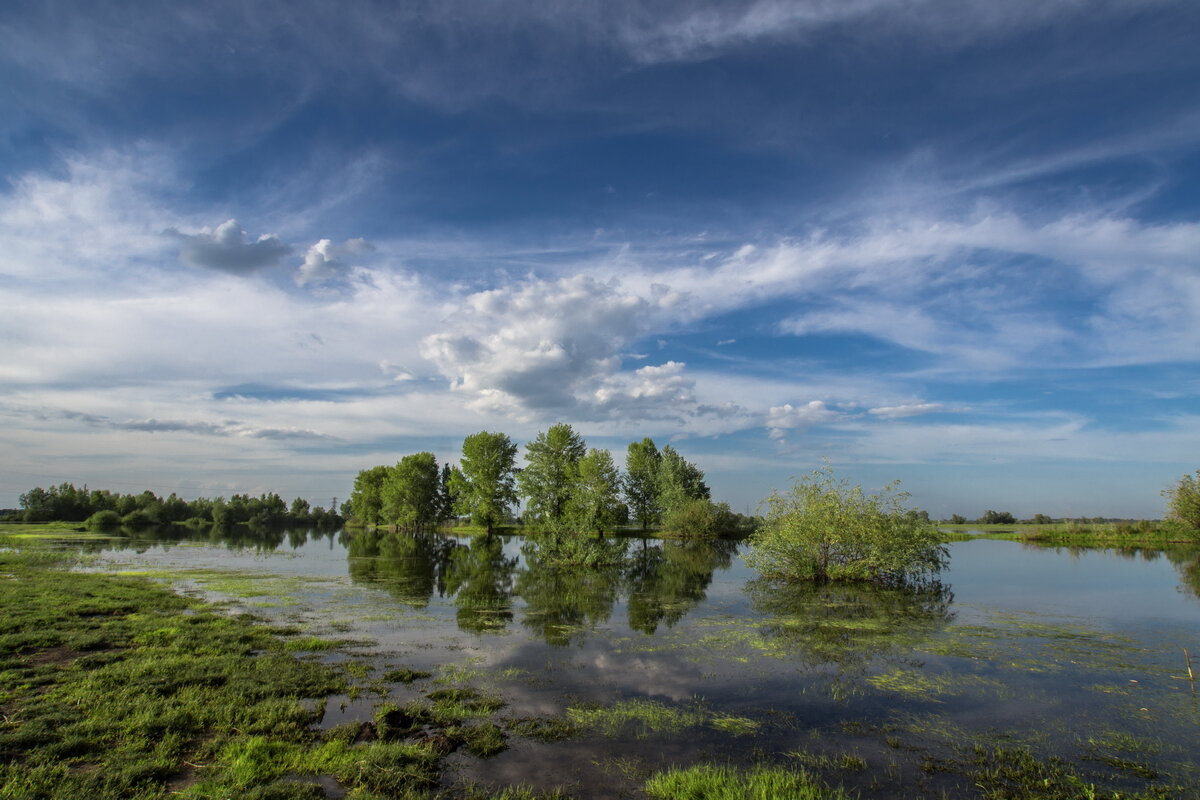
409 493
824 529
679 481
595 504
696 518
484 486
366 501
997 518
105 520
642 461
1183 502
548 481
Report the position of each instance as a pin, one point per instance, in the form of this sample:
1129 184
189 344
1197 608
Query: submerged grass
643 717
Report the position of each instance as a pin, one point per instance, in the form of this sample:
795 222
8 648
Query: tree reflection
849 624
665 582
1187 561
563 601
410 566
481 578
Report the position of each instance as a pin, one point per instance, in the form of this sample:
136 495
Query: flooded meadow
1025 671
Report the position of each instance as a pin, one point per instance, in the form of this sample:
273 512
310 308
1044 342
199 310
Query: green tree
997 518
548 480
1183 501
300 509
445 496
409 493
642 461
824 530
366 501
679 481
596 505
484 484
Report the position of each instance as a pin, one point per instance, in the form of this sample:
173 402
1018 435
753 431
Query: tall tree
366 501
410 492
445 495
595 504
484 484
547 481
679 481
642 461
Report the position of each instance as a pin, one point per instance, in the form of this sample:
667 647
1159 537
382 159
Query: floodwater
673 653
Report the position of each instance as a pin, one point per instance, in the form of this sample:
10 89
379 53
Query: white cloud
539 346
325 260
781 419
226 248
909 410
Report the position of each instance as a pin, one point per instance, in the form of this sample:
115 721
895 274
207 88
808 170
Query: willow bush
824 529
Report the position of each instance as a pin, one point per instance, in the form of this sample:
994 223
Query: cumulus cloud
325 260
227 249
781 419
539 345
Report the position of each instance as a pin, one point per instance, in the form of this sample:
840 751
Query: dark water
673 652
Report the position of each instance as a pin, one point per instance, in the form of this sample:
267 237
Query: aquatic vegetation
405 675
544 729
644 717
846 623
712 782
824 762
922 685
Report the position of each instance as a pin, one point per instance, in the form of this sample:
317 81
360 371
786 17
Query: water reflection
848 625
410 566
666 582
567 585
1187 561
480 576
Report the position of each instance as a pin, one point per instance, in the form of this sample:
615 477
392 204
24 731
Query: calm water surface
675 653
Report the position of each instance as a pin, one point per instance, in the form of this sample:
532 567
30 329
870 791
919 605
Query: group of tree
103 508
564 487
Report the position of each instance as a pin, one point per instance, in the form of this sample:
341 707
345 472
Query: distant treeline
1006 518
102 508
564 487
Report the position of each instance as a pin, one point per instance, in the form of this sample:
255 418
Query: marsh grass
113 687
713 782
640 718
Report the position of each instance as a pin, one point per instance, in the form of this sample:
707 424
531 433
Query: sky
250 247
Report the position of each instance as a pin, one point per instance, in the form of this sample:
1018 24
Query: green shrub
824 529
1183 501
104 520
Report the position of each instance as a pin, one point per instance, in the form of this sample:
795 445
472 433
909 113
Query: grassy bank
1109 534
118 688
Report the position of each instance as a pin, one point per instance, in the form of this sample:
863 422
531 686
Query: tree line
103 508
564 487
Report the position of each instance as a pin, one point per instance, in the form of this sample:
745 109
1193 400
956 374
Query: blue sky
252 247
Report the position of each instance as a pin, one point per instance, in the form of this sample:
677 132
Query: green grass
114 687
710 782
